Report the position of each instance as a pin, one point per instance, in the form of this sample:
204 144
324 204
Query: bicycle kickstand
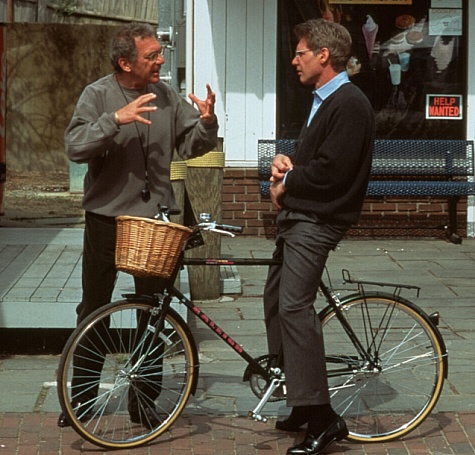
256 412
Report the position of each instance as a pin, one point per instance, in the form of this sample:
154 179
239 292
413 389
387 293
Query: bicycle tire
388 399
121 367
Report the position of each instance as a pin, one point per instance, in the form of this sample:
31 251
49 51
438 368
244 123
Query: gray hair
123 42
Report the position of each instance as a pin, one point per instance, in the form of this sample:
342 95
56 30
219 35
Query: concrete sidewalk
44 265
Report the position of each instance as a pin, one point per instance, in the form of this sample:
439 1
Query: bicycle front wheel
122 381
386 391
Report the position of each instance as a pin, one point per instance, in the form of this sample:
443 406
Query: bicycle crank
256 412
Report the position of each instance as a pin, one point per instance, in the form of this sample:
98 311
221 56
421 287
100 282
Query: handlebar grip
229 228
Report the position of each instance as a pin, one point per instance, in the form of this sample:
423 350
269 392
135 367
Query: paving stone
44 271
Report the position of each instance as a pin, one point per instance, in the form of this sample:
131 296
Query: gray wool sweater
117 156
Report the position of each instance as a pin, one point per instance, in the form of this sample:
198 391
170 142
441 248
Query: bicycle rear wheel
389 396
121 382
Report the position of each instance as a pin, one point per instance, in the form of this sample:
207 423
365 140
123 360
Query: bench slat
423 157
420 188
407 188
402 157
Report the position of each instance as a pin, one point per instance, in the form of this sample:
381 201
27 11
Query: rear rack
397 286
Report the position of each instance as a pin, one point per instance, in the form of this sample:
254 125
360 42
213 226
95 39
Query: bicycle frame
274 376
220 332
331 297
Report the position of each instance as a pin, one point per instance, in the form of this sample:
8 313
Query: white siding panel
269 72
218 22
235 50
205 54
235 104
254 76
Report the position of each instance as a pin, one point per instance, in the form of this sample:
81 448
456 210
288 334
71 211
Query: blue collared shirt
325 91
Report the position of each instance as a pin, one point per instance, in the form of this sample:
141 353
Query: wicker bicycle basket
147 247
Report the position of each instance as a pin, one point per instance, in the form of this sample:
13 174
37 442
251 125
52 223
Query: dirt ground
40 199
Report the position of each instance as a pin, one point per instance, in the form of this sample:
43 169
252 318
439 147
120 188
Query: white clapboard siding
234 49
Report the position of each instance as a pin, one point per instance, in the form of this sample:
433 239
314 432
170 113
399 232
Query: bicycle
386 358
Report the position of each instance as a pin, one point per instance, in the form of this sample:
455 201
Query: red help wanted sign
448 107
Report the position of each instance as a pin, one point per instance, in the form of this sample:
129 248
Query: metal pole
3 107
10 11
166 22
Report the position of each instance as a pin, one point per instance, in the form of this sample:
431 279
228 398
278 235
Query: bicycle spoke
131 382
390 394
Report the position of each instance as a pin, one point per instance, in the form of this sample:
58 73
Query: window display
408 57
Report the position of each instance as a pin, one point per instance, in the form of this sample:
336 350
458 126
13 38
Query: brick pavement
37 433
214 421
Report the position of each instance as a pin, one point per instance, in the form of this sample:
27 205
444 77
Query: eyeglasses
301 52
153 57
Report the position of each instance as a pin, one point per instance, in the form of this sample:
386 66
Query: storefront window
409 58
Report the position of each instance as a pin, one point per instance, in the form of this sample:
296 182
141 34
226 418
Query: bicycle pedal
280 391
257 417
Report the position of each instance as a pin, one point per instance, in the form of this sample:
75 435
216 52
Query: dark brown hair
320 33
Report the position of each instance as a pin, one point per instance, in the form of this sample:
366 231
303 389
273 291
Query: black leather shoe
63 420
146 417
289 425
313 446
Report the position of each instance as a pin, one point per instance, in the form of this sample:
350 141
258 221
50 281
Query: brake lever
211 227
220 231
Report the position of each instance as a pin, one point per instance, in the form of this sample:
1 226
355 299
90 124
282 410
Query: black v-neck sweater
332 162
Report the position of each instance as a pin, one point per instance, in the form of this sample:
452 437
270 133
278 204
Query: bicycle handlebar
205 221
212 226
229 228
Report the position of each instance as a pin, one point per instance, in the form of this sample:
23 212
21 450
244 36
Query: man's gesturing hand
206 107
133 111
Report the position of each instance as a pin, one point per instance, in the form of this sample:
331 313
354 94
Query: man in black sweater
319 191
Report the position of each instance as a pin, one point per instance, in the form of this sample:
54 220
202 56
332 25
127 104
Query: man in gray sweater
126 127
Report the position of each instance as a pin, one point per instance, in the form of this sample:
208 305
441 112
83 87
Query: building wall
48 66
471 108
